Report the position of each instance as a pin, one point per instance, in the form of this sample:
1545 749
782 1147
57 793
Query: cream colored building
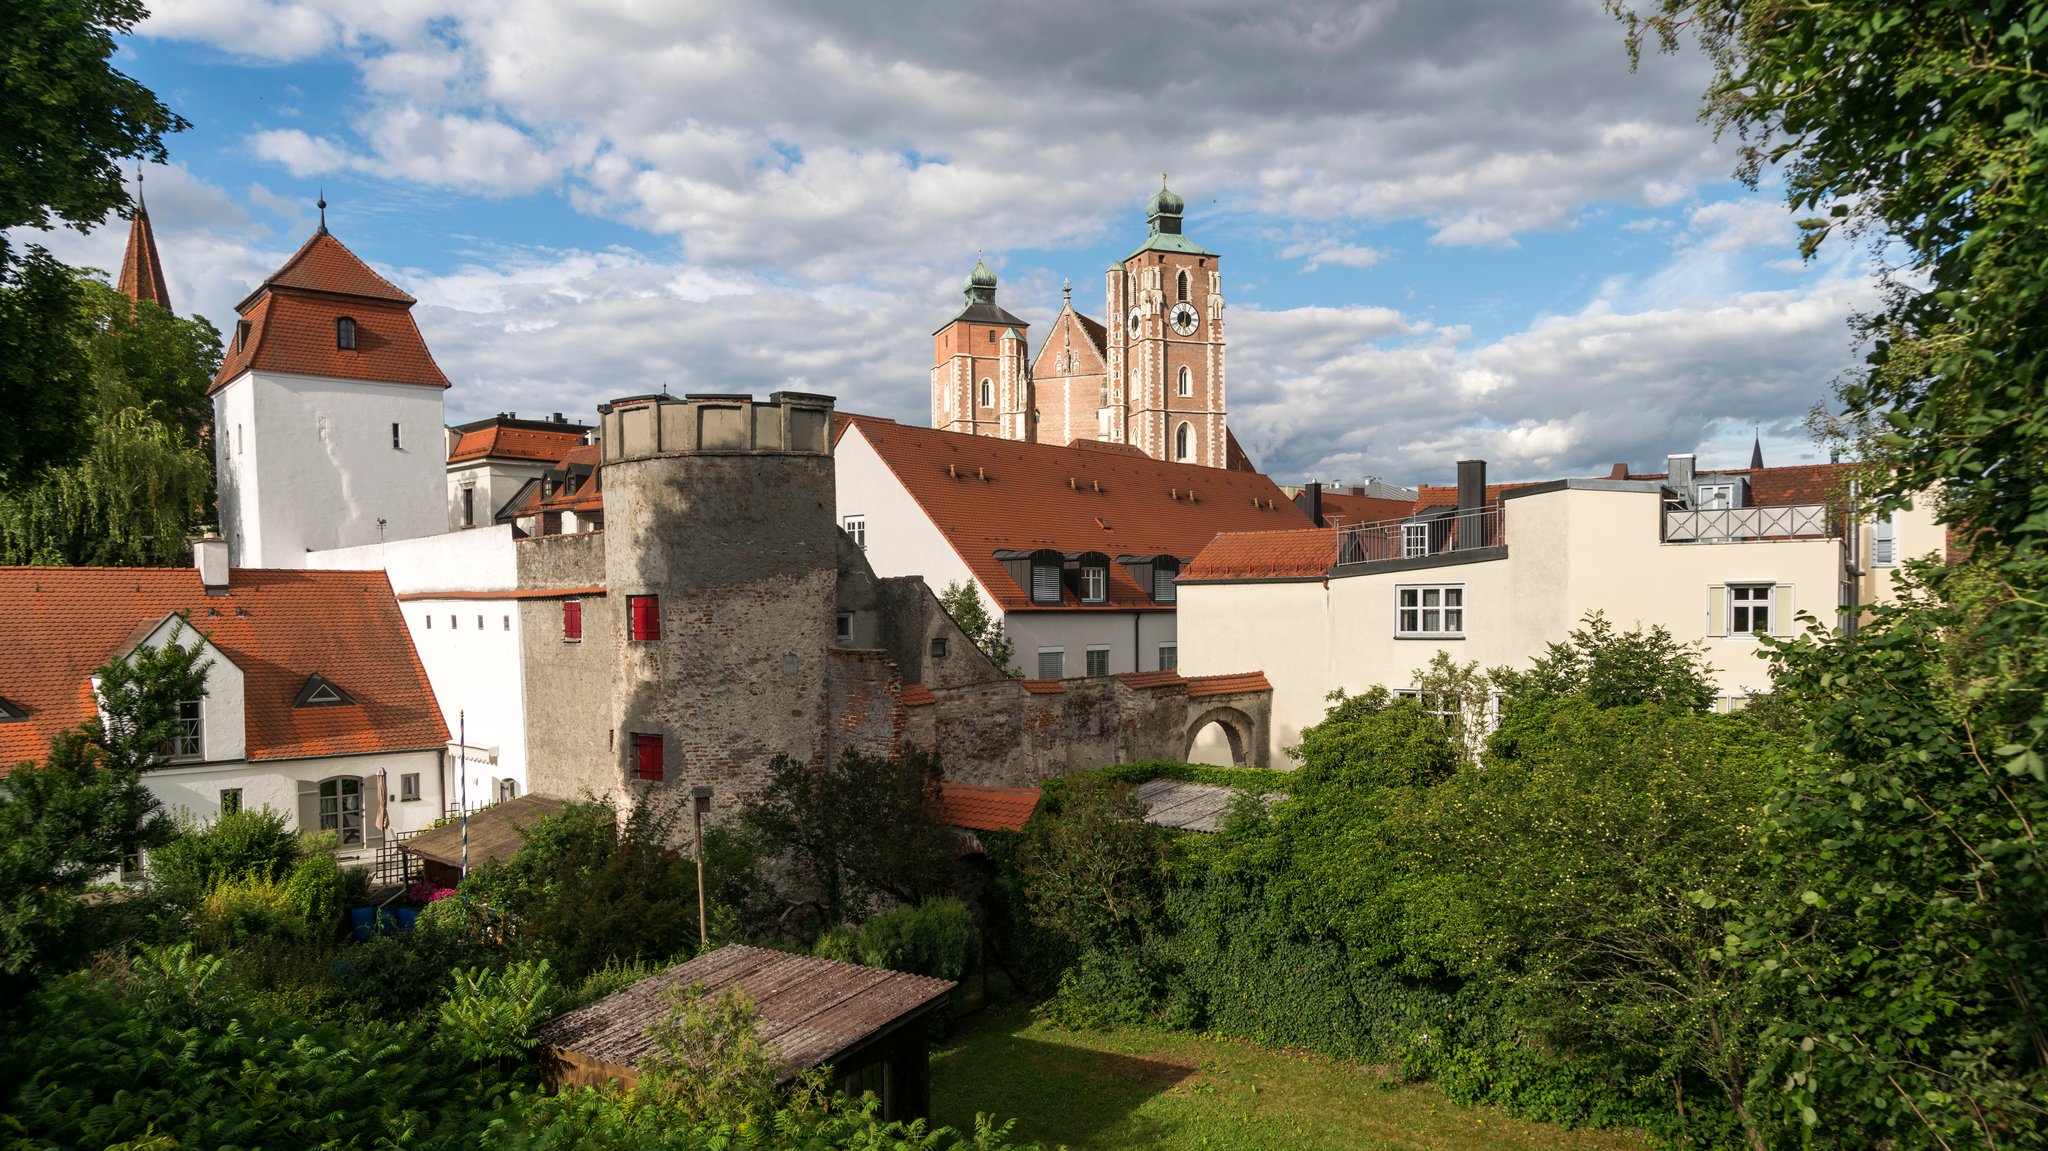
1496 577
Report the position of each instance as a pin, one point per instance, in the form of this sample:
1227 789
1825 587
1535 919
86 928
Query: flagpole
462 760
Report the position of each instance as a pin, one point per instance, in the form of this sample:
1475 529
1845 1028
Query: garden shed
868 1024
495 832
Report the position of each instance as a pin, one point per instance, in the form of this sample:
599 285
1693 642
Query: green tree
587 888
138 493
963 602
1911 952
1608 668
75 816
857 830
1093 871
68 119
709 1060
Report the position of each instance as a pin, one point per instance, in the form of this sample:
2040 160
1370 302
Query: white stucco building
1077 547
315 703
1495 574
328 414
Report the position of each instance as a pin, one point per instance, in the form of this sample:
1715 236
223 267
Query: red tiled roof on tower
293 323
142 271
57 625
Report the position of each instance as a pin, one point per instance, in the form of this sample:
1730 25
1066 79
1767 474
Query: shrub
709 1060
254 843
314 891
936 938
239 910
489 1016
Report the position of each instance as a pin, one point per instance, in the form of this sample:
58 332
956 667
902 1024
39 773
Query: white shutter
1783 605
1717 610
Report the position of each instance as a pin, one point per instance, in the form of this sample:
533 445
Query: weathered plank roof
1187 806
495 832
812 1010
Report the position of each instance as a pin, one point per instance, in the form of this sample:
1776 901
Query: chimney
1314 492
1680 480
557 419
1620 472
1471 498
210 556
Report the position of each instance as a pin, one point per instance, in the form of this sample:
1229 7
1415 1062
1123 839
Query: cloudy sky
1450 228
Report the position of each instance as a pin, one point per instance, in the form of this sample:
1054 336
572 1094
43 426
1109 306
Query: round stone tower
721 562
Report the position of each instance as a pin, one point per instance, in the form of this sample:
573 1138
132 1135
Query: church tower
1166 344
142 271
327 414
979 382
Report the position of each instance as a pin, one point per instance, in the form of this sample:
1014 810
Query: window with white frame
1187 382
988 394
1443 705
1429 611
857 530
1094 584
187 740
409 786
230 800
1715 497
1749 608
1414 540
341 808
1169 657
1052 662
1884 541
1098 659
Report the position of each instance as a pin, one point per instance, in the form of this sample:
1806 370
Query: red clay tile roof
1143 509
1265 555
142 270
512 443
1341 508
1043 686
979 808
291 320
1428 496
1141 680
918 695
324 264
57 625
1205 685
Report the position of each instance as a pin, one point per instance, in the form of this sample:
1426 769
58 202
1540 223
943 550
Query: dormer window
345 334
1093 581
241 335
1045 578
1165 570
9 713
319 691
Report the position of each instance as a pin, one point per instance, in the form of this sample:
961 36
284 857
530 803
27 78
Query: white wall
326 471
495 481
223 722
1569 552
1076 631
482 560
237 451
192 791
901 539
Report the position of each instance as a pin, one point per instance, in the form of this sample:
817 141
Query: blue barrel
407 916
360 920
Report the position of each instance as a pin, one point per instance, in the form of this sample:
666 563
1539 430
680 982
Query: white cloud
486 157
1321 252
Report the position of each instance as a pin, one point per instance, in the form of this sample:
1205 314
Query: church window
1184 442
1187 382
345 334
1182 285
988 394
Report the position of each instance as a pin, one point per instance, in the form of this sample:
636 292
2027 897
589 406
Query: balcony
1443 536
1742 525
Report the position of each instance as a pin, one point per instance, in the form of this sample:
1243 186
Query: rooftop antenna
323 211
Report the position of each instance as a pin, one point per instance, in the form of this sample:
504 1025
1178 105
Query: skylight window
322 692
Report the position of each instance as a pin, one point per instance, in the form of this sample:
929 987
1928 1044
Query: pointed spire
1067 292
323 211
1756 450
142 271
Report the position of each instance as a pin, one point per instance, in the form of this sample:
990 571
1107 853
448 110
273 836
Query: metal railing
393 865
1722 525
1421 537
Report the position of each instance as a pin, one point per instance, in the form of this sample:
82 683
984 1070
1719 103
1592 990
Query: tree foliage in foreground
75 816
1912 948
962 601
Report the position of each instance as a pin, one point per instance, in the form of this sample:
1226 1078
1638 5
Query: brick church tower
979 382
1152 376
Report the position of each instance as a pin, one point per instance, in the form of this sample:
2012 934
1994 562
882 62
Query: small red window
572 619
647 750
645 611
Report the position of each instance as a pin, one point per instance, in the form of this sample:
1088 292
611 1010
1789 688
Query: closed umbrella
383 804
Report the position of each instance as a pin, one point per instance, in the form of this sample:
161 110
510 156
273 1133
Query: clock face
1137 323
1183 319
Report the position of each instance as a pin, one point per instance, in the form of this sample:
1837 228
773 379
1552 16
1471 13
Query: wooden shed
495 832
868 1024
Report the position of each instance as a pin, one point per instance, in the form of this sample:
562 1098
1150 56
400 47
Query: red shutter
648 748
646 613
572 619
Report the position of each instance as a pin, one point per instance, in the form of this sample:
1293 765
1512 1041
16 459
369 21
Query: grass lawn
1130 1087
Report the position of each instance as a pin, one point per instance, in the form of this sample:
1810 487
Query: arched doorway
1221 736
